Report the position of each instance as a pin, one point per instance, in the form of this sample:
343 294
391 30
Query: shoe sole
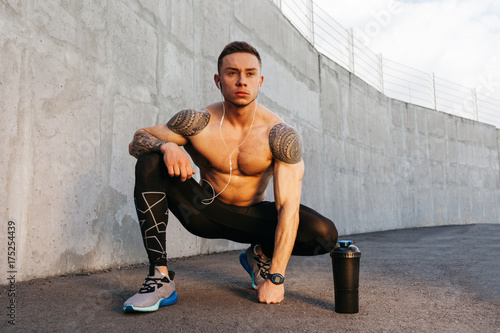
172 299
244 263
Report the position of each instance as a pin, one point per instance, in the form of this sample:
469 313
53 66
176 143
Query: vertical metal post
475 108
433 91
350 49
380 73
311 22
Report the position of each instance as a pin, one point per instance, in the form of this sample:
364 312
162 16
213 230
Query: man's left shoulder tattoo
285 144
189 122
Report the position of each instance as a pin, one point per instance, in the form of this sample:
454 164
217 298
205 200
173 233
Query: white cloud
458 40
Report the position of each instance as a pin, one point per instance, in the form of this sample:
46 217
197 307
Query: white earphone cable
209 201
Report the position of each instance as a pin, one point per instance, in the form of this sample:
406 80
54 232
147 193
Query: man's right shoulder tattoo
189 122
285 144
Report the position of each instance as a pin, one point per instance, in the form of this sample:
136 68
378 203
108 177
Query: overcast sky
458 40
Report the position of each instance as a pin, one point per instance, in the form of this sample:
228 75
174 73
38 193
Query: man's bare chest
251 158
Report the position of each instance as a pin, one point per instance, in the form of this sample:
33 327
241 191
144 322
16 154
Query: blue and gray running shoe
158 290
255 265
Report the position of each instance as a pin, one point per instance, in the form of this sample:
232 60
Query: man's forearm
144 143
286 232
287 189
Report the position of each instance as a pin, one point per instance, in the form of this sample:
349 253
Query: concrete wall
78 78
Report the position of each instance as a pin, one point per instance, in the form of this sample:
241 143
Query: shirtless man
238 146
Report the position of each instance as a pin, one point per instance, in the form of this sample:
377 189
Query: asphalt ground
444 279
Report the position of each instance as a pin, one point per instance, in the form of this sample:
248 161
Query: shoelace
264 265
149 284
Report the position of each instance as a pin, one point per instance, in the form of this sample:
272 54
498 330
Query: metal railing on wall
391 78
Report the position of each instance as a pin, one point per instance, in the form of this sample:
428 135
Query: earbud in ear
219 86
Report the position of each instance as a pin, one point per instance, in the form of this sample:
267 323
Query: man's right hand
177 161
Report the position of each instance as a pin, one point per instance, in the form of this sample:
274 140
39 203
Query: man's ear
217 81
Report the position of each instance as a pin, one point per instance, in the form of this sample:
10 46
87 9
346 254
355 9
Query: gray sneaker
255 265
158 290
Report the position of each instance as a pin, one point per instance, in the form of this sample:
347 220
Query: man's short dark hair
235 47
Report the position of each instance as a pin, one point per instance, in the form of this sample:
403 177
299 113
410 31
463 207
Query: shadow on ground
438 278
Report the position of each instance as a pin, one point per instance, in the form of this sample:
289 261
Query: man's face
240 78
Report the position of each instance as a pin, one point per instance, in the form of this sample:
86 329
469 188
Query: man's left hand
269 293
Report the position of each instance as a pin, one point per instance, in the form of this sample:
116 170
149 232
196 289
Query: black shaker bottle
345 264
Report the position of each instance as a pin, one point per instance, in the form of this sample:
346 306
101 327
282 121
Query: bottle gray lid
346 250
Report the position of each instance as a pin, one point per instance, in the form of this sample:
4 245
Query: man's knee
327 235
149 169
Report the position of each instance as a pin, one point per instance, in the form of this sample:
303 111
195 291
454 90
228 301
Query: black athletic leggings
156 192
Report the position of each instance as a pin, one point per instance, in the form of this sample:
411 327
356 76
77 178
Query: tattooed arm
184 124
285 144
167 138
143 143
286 148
